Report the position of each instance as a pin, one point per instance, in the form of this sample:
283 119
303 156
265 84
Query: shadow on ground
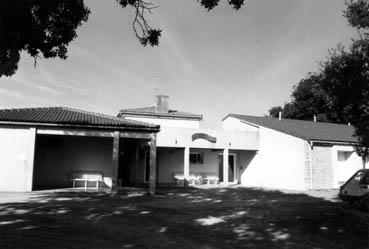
178 218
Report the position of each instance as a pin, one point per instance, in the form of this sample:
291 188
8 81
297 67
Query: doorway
231 168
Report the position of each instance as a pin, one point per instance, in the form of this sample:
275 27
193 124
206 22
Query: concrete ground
209 218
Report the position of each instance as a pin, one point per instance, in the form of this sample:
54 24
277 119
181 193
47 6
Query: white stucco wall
249 168
282 160
16 159
166 122
343 170
279 163
234 124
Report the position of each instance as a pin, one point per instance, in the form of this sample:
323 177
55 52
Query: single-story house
52 147
60 147
296 154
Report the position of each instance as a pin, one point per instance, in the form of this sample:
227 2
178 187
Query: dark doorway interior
231 168
133 162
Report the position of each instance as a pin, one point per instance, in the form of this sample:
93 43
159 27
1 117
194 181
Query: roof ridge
305 129
106 115
35 114
288 119
150 111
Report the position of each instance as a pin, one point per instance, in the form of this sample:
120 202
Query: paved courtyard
179 218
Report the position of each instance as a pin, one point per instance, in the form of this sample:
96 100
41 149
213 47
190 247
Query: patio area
233 217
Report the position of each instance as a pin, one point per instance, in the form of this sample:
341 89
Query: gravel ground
210 218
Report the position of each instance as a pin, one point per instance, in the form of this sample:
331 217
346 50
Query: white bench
86 176
197 178
192 179
210 179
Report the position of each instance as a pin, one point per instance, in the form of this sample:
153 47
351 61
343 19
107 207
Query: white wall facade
16 158
279 163
281 160
288 162
234 124
345 163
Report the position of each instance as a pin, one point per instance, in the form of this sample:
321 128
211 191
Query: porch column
30 160
186 163
152 180
225 165
114 178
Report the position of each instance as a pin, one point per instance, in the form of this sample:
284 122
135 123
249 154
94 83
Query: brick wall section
307 165
321 157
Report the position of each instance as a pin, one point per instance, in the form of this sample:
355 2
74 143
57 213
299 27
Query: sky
211 63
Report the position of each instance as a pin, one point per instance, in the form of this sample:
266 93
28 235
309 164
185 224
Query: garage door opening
57 157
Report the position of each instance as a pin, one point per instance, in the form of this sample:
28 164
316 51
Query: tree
308 99
46 27
37 27
346 83
339 91
274 111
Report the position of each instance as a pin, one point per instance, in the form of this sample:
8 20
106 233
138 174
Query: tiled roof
307 130
69 116
151 112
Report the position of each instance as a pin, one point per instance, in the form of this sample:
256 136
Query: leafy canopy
339 90
46 27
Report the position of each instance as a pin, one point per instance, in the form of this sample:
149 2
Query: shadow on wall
177 218
245 161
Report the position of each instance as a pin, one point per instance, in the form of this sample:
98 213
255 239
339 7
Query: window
196 157
343 156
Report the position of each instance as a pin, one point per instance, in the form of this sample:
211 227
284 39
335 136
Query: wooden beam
152 180
75 132
115 163
137 135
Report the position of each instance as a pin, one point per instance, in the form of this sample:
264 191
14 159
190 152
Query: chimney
161 103
280 115
314 117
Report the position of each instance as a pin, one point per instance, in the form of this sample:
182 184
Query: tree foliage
39 27
46 27
339 90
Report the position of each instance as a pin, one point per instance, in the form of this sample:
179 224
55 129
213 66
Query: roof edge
159 115
155 128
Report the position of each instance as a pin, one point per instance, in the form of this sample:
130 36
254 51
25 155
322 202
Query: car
355 190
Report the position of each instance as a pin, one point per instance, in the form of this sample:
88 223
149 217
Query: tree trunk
363 159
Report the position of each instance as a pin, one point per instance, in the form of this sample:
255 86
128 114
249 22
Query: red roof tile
70 116
307 130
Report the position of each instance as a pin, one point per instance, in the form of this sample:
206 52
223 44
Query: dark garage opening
57 156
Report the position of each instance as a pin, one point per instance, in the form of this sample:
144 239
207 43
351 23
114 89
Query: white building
296 154
44 148
263 151
184 150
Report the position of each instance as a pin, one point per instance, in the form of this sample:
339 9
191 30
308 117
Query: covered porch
94 160
60 147
193 156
